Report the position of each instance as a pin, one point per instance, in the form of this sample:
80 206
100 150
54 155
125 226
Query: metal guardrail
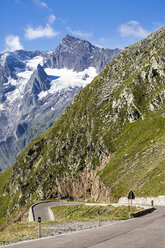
143 212
31 210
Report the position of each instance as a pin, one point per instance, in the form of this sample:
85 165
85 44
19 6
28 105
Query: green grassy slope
4 198
139 162
77 213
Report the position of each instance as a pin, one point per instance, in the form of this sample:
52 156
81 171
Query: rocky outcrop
38 81
85 185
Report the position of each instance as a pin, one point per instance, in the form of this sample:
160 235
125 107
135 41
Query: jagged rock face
8 64
34 90
78 55
113 117
23 54
39 81
85 185
7 70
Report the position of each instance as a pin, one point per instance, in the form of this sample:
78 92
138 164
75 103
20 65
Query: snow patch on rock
65 79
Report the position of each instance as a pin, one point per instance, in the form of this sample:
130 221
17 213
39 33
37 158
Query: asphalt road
41 210
144 232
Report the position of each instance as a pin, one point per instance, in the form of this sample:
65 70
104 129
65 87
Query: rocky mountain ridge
35 88
74 54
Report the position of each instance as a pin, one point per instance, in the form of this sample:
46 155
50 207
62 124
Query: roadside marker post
99 217
129 210
130 197
39 227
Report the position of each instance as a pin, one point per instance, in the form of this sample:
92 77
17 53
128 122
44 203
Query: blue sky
41 24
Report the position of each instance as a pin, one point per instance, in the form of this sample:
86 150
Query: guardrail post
99 217
129 209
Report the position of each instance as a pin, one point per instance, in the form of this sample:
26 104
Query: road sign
131 195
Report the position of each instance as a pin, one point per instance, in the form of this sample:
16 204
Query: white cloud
41 4
12 43
40 32
51 19
79 33
97 45
104 40
133 28
44 5
158 24
61 20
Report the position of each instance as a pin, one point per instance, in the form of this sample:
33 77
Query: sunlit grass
76 213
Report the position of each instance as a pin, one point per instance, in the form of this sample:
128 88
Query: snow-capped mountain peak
35 87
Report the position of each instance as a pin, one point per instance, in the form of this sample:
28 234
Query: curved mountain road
42 209
144 232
